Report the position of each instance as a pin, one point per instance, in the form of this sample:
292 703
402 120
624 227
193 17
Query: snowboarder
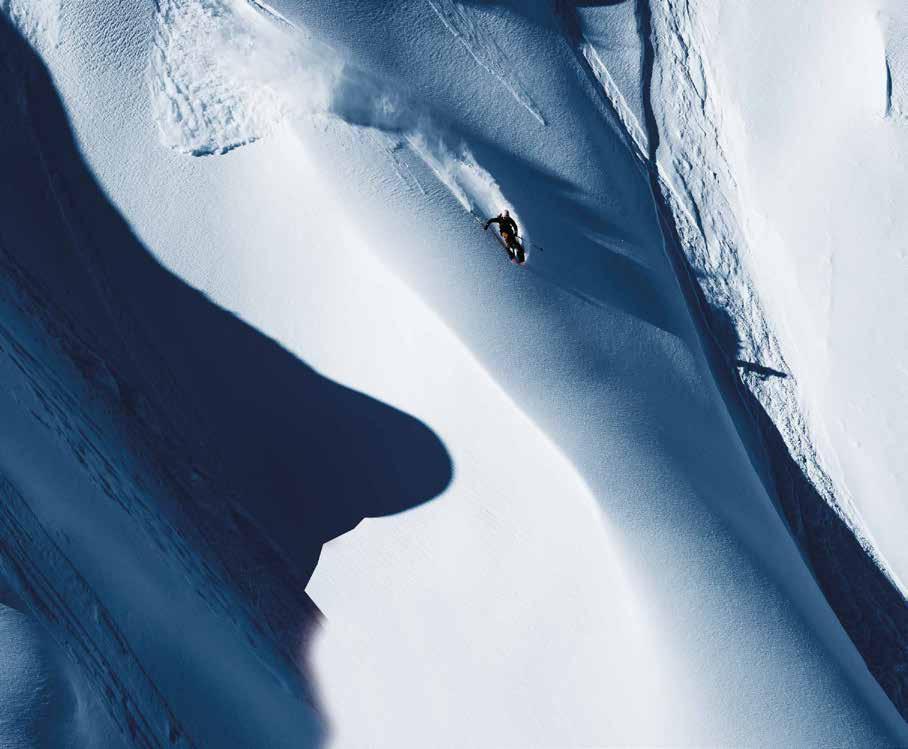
507 227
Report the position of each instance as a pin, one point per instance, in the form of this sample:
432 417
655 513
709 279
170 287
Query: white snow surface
38 20
604 563
800 194
832 264
894 22
224 74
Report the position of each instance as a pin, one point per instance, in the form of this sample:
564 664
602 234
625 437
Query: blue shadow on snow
283 459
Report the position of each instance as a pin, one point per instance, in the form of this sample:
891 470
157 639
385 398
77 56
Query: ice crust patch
37 20
225 73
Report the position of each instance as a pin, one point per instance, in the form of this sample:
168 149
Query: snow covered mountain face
290 455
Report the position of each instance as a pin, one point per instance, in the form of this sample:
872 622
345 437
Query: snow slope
816 258
46 702
744 102
567 535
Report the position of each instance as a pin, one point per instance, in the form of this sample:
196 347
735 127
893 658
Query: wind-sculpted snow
258 388
73 597
75 394
45 702
228 72
38 20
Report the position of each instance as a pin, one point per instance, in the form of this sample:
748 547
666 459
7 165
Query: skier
507 227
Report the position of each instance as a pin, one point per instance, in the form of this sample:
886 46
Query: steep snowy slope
600 562
780 162
828 251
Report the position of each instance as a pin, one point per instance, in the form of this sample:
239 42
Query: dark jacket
505 224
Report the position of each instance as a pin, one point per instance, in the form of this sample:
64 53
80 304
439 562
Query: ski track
613 94
392 148
464 26
397 123
474 188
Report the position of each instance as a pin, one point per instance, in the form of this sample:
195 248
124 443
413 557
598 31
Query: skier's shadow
294 455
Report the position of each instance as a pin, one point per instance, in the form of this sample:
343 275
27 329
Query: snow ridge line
46 580
714 245
484 50
703 240
711 248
